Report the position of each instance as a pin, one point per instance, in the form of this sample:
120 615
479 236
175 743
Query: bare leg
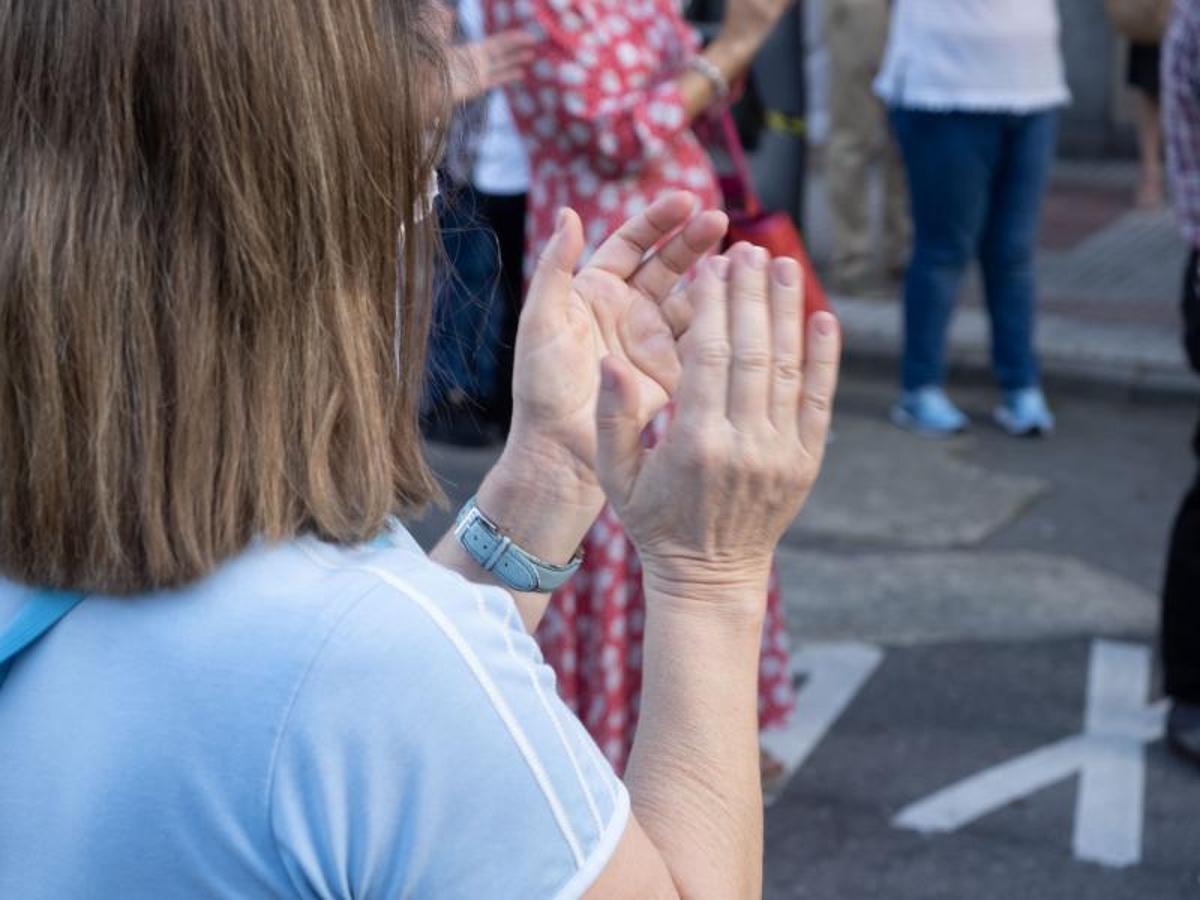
1149 132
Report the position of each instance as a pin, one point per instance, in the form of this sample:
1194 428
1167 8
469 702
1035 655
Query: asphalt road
932 716
974 624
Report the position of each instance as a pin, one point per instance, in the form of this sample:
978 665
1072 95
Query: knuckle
711 352
787 369
752 294
704 451
675 263
777 467
694 247
819 403
752 359
797 487
633 244
826 363
748 452
703 456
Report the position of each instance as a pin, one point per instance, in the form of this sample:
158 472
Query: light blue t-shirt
308 721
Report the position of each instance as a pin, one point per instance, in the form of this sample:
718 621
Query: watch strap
495 552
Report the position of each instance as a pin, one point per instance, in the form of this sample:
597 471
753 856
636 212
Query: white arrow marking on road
835 672
1109 757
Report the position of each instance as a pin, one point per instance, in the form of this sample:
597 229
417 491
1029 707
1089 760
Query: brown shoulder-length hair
214 278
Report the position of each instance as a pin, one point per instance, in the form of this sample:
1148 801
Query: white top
502 162
308 721
974 55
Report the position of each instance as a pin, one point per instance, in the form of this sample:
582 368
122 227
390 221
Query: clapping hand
709 503
622 304
482 66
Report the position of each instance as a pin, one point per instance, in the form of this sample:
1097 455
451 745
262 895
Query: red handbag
748 221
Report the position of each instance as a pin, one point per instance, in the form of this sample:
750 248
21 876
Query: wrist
732 593
542 503
538 465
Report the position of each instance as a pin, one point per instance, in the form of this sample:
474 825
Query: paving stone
935 597
881 484
1138 258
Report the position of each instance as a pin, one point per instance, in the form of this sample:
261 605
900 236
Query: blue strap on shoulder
40 613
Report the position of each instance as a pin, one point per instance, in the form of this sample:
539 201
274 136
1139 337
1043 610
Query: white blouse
974 55
502 164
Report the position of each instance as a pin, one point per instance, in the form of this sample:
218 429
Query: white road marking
835 672
1109 805
1108 756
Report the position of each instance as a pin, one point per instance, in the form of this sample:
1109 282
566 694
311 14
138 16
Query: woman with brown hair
226 669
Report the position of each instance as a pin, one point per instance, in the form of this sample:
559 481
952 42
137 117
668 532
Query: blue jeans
976 182
467 309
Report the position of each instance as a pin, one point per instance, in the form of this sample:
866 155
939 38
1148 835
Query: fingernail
824 323
719 265
757 258
785 271
561 221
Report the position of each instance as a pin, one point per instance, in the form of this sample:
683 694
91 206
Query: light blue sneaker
1024 413
928 411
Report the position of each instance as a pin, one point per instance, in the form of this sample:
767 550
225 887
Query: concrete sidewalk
1109 282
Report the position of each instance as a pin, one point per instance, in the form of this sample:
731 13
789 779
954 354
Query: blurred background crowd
1002 200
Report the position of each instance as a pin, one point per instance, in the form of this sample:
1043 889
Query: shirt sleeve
1181 115
427 754
594 86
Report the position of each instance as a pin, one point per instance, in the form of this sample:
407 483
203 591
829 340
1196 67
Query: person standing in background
973 88
856 34
1181 588
500 177
1143 23
1143 78
483 231
606 111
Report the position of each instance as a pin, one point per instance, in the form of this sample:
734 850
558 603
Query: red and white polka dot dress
607 133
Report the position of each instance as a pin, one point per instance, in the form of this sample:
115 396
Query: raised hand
712 499
622 304
497 60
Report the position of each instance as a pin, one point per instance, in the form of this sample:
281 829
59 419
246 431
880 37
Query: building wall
1096 125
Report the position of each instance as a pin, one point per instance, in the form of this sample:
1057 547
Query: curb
1080 358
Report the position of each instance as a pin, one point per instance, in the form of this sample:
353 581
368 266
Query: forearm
545 514
624 132
694 775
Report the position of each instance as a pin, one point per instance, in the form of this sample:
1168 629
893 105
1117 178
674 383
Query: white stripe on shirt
537 687
491 691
